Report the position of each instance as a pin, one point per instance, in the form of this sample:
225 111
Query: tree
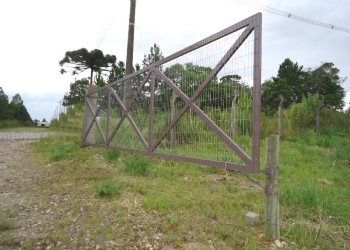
99 80
117 72
326 82
81 60
17 100
4 106
18 109
77 92
288 84
154 56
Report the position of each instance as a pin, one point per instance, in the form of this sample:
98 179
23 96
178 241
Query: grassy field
184 205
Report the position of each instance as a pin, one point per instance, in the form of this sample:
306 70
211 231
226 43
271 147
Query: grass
109 188
111 155
188 203
137 165
5 225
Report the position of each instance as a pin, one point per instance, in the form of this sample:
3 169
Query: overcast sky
36 34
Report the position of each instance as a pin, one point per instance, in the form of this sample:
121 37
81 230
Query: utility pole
129 52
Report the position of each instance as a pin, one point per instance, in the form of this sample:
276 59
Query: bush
9 124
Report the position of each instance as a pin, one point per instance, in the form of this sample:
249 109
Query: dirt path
19 179
40 209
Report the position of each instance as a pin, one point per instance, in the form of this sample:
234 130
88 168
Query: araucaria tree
81 60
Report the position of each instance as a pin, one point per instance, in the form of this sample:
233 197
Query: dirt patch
19 179
46 208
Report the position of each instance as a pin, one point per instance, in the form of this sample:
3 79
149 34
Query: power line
290 15
104 33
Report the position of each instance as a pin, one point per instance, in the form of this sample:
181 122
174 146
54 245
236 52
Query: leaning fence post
88 116
271 187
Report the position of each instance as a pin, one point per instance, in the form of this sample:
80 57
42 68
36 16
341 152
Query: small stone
252 218
98 247
2 166
111 242
280 244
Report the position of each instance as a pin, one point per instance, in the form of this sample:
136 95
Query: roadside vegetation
13 113
184 204
167 203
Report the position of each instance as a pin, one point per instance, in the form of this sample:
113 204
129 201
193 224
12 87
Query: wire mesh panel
201 104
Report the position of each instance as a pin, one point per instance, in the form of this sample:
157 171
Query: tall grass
111 155
108 188
137 165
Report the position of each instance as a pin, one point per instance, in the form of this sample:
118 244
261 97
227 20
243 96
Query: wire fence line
200 104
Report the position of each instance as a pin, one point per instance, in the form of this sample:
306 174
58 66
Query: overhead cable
290 15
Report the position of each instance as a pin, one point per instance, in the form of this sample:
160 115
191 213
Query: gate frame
252 164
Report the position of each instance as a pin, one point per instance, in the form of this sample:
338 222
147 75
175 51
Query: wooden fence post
271 188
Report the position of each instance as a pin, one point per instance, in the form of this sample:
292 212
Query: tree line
295 91
105 69
14 112
303 94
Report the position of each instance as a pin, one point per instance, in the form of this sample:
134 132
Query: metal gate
200 104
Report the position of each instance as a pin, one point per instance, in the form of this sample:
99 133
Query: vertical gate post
88 116
272 187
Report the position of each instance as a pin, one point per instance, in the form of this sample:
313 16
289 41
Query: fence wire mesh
196 105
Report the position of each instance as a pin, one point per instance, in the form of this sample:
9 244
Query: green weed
5 225
224 232
63 150
137 165
111 155
109 188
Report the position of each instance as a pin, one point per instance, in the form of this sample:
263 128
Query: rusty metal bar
212 74
151 114
108 113
93 121
95 116
131 120
215 128
256 93
138 91
211 163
